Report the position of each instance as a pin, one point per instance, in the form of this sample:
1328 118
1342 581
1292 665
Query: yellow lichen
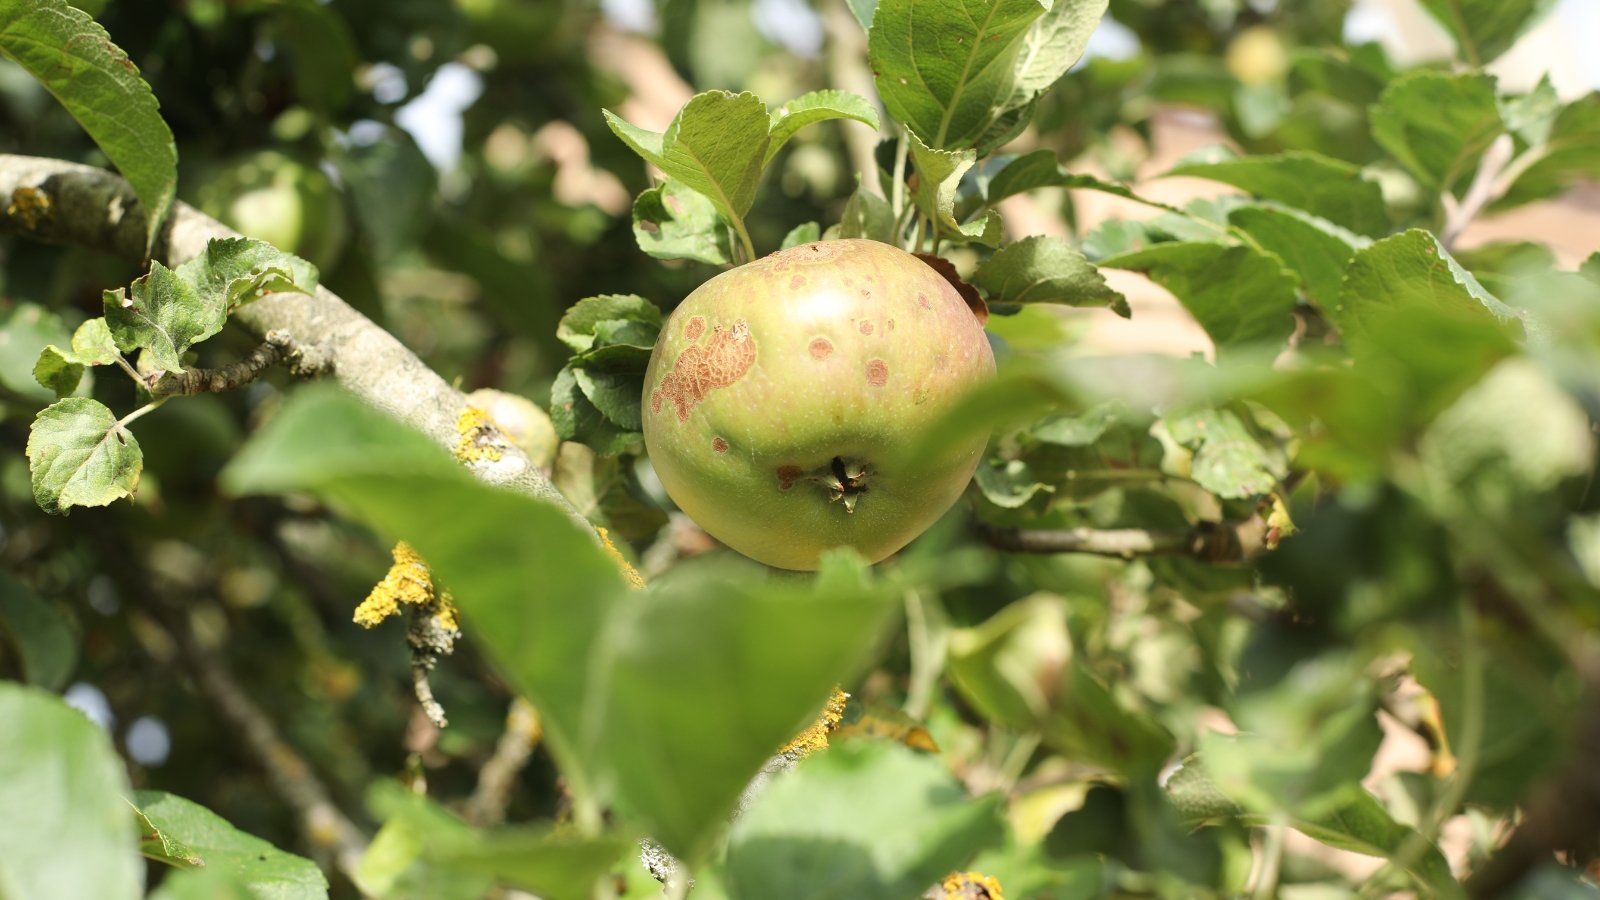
815 737
408 583
972 886
479 440
635 580
446 614
29 205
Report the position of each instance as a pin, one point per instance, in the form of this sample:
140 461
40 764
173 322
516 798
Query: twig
324 825
1487 186
89 207
1208 541
277 347
487 805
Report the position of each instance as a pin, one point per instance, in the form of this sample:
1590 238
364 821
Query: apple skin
780 395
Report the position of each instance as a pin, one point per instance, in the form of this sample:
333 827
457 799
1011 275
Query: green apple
780 393
272 197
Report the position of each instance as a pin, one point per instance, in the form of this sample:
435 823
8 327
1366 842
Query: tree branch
1207 541
487 805
87 207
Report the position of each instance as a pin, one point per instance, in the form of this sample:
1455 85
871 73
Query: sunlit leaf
81 456
74 58
1042 269
817 106
207 840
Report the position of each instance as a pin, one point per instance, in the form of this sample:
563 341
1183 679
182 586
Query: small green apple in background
273 197
780 392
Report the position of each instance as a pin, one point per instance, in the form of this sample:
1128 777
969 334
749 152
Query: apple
780 394
272 197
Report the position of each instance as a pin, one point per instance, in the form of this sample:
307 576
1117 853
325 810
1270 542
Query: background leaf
67 833
820 830
1324 187
39 635
1438 125
1486 29
627 687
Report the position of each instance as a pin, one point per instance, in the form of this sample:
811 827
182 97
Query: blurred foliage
1368 523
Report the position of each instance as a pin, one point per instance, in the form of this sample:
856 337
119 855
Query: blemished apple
780 392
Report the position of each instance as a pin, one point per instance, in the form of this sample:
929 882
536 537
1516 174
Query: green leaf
1042 269
1530 116
1407 272
1438 125
715 145
67 833
322 51
1240 296
672 222
576 418
211 842
588 316
202 884
1041 169
58 370
239 270
80 456
25 330
1355 821
867 215
1053 45
1315 249
947 71
164 315
663 705
162 847
1018 668
817 106
802 234
605 492
860 820
616 394
424 852
93 344
74 58
1008 484
1486 29
1566 158
939 174
1329 188
391 185
1227 459
61 370
40 635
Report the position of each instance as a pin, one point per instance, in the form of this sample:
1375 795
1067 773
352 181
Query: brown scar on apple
695 328
877 372
788 475
821 348
719 445
725 358
866 327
